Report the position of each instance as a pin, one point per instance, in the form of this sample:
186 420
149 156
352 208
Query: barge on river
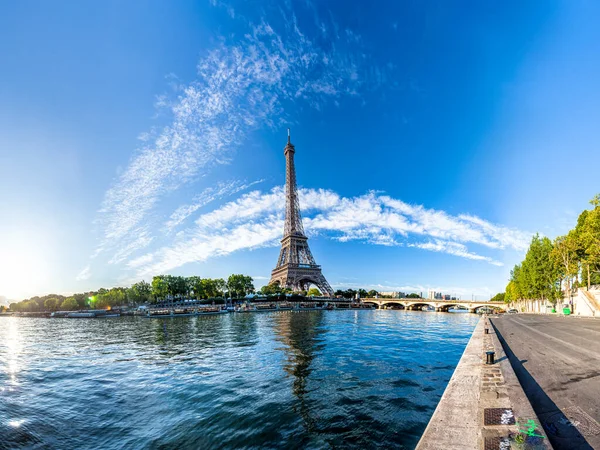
183 312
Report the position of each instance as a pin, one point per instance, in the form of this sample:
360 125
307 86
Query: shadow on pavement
559 429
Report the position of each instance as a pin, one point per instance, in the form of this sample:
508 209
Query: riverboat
309 307
261 307
166 313
81 315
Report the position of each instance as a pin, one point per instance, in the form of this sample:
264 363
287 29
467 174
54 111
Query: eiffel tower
296 268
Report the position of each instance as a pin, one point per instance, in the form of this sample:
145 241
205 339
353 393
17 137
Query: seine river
319 379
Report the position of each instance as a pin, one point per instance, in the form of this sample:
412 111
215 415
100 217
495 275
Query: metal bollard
489 357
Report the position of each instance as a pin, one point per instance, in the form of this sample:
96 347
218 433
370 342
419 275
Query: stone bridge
439 305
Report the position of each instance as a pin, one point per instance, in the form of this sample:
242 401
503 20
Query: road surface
557 361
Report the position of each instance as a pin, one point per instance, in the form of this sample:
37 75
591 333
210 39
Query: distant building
392 294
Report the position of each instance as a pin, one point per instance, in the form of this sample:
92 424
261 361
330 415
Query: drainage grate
498 416
581 420
496 443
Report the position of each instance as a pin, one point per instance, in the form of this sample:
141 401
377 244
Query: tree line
552 269
161 287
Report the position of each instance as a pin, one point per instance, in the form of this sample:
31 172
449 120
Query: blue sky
432 138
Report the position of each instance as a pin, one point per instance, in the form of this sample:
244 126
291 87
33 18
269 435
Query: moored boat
166 313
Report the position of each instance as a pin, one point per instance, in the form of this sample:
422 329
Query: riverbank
558 365
483 406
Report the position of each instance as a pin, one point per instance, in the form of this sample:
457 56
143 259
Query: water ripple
339 379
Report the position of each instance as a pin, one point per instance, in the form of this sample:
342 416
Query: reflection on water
318 379
300 332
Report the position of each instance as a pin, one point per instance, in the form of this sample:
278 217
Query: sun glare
22 271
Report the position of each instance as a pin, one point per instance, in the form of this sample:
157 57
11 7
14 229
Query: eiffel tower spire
296 268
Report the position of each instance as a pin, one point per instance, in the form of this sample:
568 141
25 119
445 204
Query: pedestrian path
483 406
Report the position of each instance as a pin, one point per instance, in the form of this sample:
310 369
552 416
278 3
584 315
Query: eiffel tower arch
296 267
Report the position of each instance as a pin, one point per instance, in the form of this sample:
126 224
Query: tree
413 295
240 285
140 292
82 299
565 258
537 277
51 304
69 304
219 286
160 287
499 297
271 289
372 293
314 292
589 234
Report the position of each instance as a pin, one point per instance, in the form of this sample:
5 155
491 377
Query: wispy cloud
256 220
241 85
453 248
209 195
85 274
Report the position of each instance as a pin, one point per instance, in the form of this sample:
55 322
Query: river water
316 379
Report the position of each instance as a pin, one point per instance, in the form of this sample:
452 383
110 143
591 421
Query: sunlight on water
10 350
343 379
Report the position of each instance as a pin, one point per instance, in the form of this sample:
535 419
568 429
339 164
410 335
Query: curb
455 423
521 406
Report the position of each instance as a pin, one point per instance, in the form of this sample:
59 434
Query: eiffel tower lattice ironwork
296 268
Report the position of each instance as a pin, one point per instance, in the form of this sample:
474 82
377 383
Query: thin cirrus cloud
84 274
210 194
256 220
240 87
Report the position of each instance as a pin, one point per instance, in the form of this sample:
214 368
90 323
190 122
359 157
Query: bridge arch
489 307
448 306
393 305
371 303
418 306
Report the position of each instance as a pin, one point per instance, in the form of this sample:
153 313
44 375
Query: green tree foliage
271 289
82 299
589 235
313 292
499 297
348 293
69 304
240 285
51 304
571 260
160 287
565 257
140 292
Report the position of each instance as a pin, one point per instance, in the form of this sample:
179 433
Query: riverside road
557 361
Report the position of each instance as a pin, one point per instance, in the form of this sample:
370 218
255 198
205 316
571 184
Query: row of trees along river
161 287
552 269
208 290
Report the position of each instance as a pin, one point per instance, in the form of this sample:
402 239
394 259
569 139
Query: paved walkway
557 361
483 406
